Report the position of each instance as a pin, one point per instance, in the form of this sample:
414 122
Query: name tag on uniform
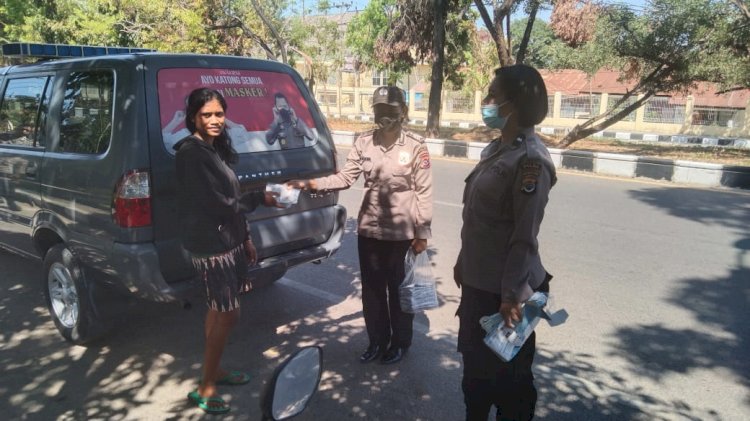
404 158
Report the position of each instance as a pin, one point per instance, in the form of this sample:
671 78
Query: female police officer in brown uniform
395 214
499 263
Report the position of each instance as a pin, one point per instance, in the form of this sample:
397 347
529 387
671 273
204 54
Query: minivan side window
20 110
86 118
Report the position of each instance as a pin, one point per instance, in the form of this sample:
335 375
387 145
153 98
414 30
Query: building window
580 106
327 98
715 116
459 102
550 106
365 103
421 101
665 110
379 77
612 99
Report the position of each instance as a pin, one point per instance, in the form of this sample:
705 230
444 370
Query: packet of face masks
286 197
506 342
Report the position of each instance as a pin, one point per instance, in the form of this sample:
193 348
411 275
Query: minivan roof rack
40 50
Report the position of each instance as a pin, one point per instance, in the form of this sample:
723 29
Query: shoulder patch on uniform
423 156
530 171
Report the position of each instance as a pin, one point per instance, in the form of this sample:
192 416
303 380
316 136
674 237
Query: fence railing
659 115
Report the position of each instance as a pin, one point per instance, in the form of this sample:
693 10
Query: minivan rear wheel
67 293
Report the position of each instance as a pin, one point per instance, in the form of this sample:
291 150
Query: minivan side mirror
293 383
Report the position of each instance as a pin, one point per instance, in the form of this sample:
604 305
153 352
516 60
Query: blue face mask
491 116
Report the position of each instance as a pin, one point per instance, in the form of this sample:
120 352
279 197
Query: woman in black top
215 232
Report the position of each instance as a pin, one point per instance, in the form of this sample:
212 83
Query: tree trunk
272 29
436 80
608 118
503 43
586 128
521 55
496 28
743 8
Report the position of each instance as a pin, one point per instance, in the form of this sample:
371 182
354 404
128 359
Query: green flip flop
219 405
234 378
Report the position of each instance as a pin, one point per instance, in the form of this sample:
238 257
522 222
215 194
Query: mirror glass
296 383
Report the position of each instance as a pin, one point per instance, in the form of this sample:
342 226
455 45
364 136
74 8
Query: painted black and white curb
680 139
631 166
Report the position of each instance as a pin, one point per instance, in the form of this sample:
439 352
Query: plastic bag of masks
417 291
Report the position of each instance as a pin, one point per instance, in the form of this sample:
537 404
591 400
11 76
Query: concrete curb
696 140
630 166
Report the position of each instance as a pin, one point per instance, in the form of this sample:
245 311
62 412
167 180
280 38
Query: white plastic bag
286 197
506 342
417 291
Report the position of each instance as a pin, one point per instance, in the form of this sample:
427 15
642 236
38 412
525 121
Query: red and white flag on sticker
424 159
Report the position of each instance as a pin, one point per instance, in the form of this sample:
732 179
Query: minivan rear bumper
138 271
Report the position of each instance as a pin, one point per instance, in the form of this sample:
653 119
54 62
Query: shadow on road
151 360
148 365
717 304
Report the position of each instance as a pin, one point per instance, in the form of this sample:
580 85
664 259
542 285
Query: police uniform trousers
381 264
488 380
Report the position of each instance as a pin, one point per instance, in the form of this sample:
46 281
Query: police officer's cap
391 95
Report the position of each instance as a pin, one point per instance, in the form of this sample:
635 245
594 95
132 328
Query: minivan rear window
265 110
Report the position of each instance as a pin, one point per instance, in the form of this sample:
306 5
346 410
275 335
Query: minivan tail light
131 207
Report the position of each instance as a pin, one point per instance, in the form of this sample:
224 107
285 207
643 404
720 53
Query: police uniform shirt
504 201
397 201
290 134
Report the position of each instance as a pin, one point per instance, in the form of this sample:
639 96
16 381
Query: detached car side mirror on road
293 384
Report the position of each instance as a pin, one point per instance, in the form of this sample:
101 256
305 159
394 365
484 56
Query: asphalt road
656 278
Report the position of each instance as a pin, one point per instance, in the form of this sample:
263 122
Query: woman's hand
251 252
511 313
419 245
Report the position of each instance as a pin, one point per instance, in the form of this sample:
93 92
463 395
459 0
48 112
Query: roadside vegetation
661 47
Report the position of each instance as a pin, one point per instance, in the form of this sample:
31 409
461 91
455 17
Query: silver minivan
87 171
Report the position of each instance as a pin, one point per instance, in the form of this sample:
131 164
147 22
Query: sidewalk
630 166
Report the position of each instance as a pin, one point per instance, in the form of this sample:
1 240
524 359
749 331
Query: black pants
488 380
382 265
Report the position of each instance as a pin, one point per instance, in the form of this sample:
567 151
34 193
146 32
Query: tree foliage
200 26
435 31
574 21
409 39
366 28
316 41
668 49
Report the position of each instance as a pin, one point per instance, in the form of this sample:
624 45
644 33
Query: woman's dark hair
524 87
222 143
